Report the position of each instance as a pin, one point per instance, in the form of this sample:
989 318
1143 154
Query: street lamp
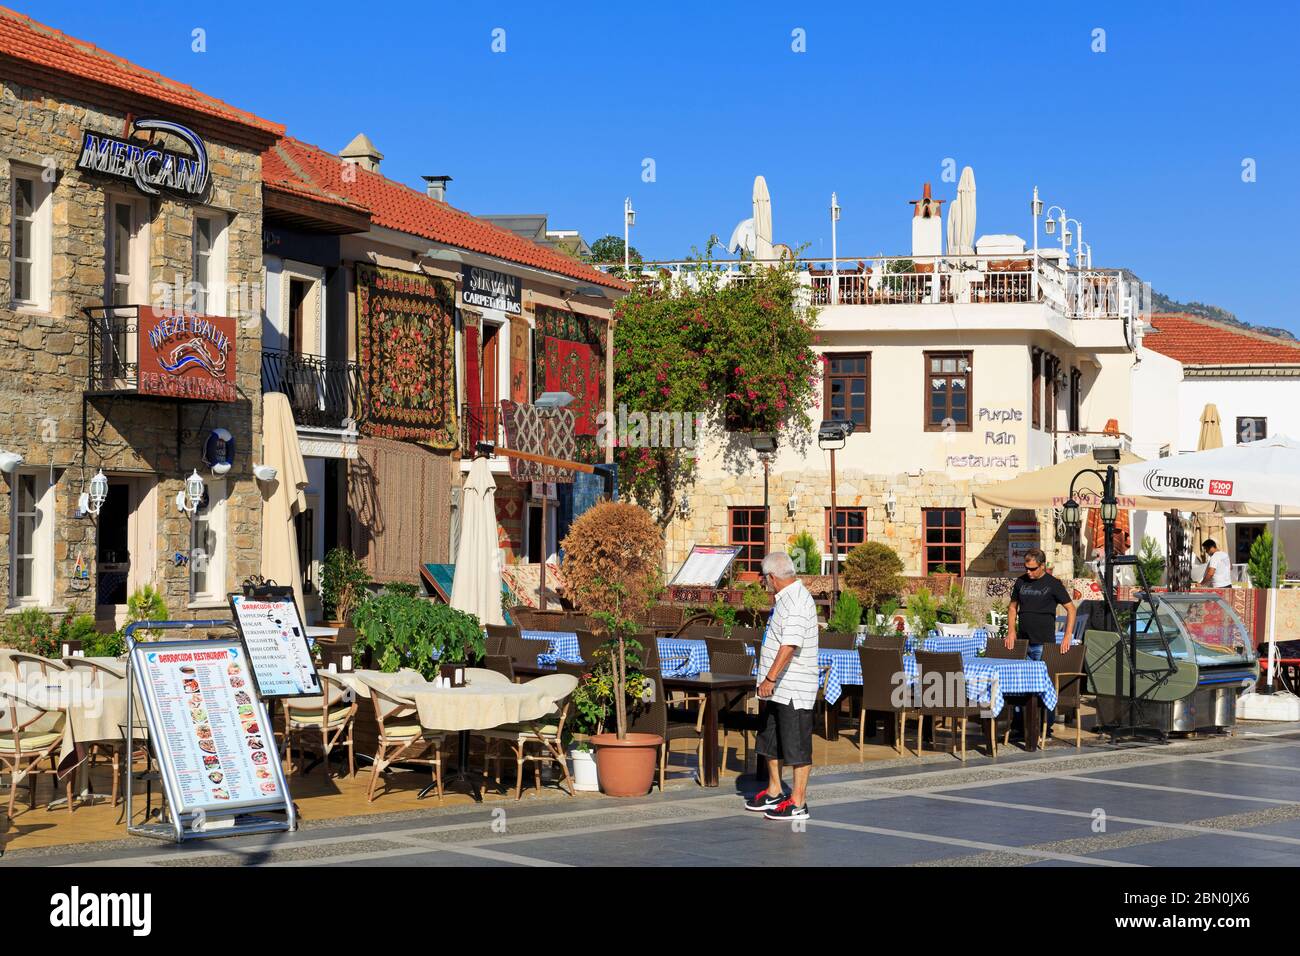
835 265
550 403
629 220
764 443
832 435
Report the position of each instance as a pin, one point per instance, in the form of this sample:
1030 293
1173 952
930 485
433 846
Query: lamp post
1036 210
835 260
764 443
629 220
550 403
1109 514
832 436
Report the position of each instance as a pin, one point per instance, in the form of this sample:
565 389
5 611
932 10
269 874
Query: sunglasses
1032 567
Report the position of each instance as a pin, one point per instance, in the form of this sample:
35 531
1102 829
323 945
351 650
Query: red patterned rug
405 337
569 369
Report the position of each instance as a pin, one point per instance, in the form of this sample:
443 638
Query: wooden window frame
844 546
1050 392
744 562
1036 389
826 384
969 374
1076 396
925 544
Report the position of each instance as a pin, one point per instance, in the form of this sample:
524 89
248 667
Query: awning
1050 488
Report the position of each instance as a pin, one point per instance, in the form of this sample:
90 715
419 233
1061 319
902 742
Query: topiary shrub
874 571
805 554
847 615
613 544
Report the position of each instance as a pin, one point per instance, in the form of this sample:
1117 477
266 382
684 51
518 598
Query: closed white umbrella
762 220
1258 473
283 498
961 217
476 588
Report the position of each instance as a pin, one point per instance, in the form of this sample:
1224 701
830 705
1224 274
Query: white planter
583 763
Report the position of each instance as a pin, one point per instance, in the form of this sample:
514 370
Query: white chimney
435 187
927 225
361 152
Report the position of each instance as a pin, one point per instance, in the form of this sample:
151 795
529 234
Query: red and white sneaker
787 810
763 801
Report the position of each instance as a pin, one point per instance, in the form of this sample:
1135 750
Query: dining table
483 703
720 691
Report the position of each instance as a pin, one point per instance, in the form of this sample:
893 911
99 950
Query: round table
476 706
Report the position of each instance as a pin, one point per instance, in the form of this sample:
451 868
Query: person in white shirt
1218 572
788 677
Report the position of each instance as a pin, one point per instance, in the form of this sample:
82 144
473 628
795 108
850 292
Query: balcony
155 353
480 423
323 393
1080 444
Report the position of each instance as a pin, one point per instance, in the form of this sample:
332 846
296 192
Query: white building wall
1276 398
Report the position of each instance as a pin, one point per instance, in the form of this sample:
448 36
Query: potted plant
343 584
625 762
847 615
398 628
923 612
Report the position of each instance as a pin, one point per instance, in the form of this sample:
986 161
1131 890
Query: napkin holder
453 674
337 658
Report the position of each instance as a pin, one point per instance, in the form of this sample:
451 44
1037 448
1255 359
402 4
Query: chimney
435 187
361 152
927 224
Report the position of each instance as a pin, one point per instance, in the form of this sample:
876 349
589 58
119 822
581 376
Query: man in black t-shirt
1031 615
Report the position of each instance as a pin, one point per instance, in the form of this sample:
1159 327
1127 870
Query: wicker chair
740 715
946 671
997 648
1065 670
30 733
832 641
588 643
497 635
402 739
881 670
679 719
665 616
521 650
889 642
546 734
116 750
321 723
501 664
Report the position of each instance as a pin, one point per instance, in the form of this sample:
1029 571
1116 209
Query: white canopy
1257 473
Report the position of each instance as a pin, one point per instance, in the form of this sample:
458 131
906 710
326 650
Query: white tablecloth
475 707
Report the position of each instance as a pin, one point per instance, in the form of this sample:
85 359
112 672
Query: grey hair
778 565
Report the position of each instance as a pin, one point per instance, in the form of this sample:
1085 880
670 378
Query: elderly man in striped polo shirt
787 680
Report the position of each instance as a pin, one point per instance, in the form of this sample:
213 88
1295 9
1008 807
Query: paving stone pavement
1229 801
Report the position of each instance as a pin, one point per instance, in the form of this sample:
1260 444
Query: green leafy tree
718 357
1151 561
609 249
805 553
874 571
1260 566
344 581
847 615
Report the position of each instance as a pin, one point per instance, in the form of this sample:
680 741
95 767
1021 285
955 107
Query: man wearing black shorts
787 679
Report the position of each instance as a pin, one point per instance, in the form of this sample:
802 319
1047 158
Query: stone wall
986 536
44 356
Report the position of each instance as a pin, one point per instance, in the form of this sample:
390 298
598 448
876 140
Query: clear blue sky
1143 143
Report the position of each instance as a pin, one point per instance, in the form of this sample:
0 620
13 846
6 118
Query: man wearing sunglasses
1031 614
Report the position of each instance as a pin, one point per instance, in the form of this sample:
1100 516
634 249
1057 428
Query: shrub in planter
402 629
874 571
612 545
344 581
847 615
31 631
924 612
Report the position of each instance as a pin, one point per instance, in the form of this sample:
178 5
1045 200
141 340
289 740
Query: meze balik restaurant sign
186 356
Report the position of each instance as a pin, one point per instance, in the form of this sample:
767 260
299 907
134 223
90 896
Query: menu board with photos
277 645
210 731
706 565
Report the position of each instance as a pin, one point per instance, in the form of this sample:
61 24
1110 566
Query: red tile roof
1193 340
44 48
294 165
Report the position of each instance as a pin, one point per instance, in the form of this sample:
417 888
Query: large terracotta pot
626 767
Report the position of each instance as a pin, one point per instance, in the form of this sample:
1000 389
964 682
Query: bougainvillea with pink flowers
737 355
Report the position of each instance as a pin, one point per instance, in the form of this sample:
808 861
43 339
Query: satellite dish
743 238
783 252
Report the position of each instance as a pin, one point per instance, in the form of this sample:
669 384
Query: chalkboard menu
276 641
209 730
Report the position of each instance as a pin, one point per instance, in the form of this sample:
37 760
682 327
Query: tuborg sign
1155 481
152 169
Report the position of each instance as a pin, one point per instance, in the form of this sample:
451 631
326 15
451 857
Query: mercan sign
153 170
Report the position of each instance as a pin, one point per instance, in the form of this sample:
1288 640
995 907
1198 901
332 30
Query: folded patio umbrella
283 498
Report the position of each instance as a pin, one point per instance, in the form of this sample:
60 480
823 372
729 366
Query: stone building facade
59 227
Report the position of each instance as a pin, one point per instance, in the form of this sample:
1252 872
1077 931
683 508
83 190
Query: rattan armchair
545 734
402 738
682 718
1065 670
942 675
319 724
30 733
882 670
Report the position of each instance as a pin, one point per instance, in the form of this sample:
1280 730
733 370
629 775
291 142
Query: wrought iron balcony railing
323 393
114 354
480 423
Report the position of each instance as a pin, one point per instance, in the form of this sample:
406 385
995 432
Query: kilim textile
405 337
553 364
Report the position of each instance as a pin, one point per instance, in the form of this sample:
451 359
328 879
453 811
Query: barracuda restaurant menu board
277 645
211 731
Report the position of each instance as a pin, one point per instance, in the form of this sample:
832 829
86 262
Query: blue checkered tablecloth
562 645
967 645
682 657
845 667
990 680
